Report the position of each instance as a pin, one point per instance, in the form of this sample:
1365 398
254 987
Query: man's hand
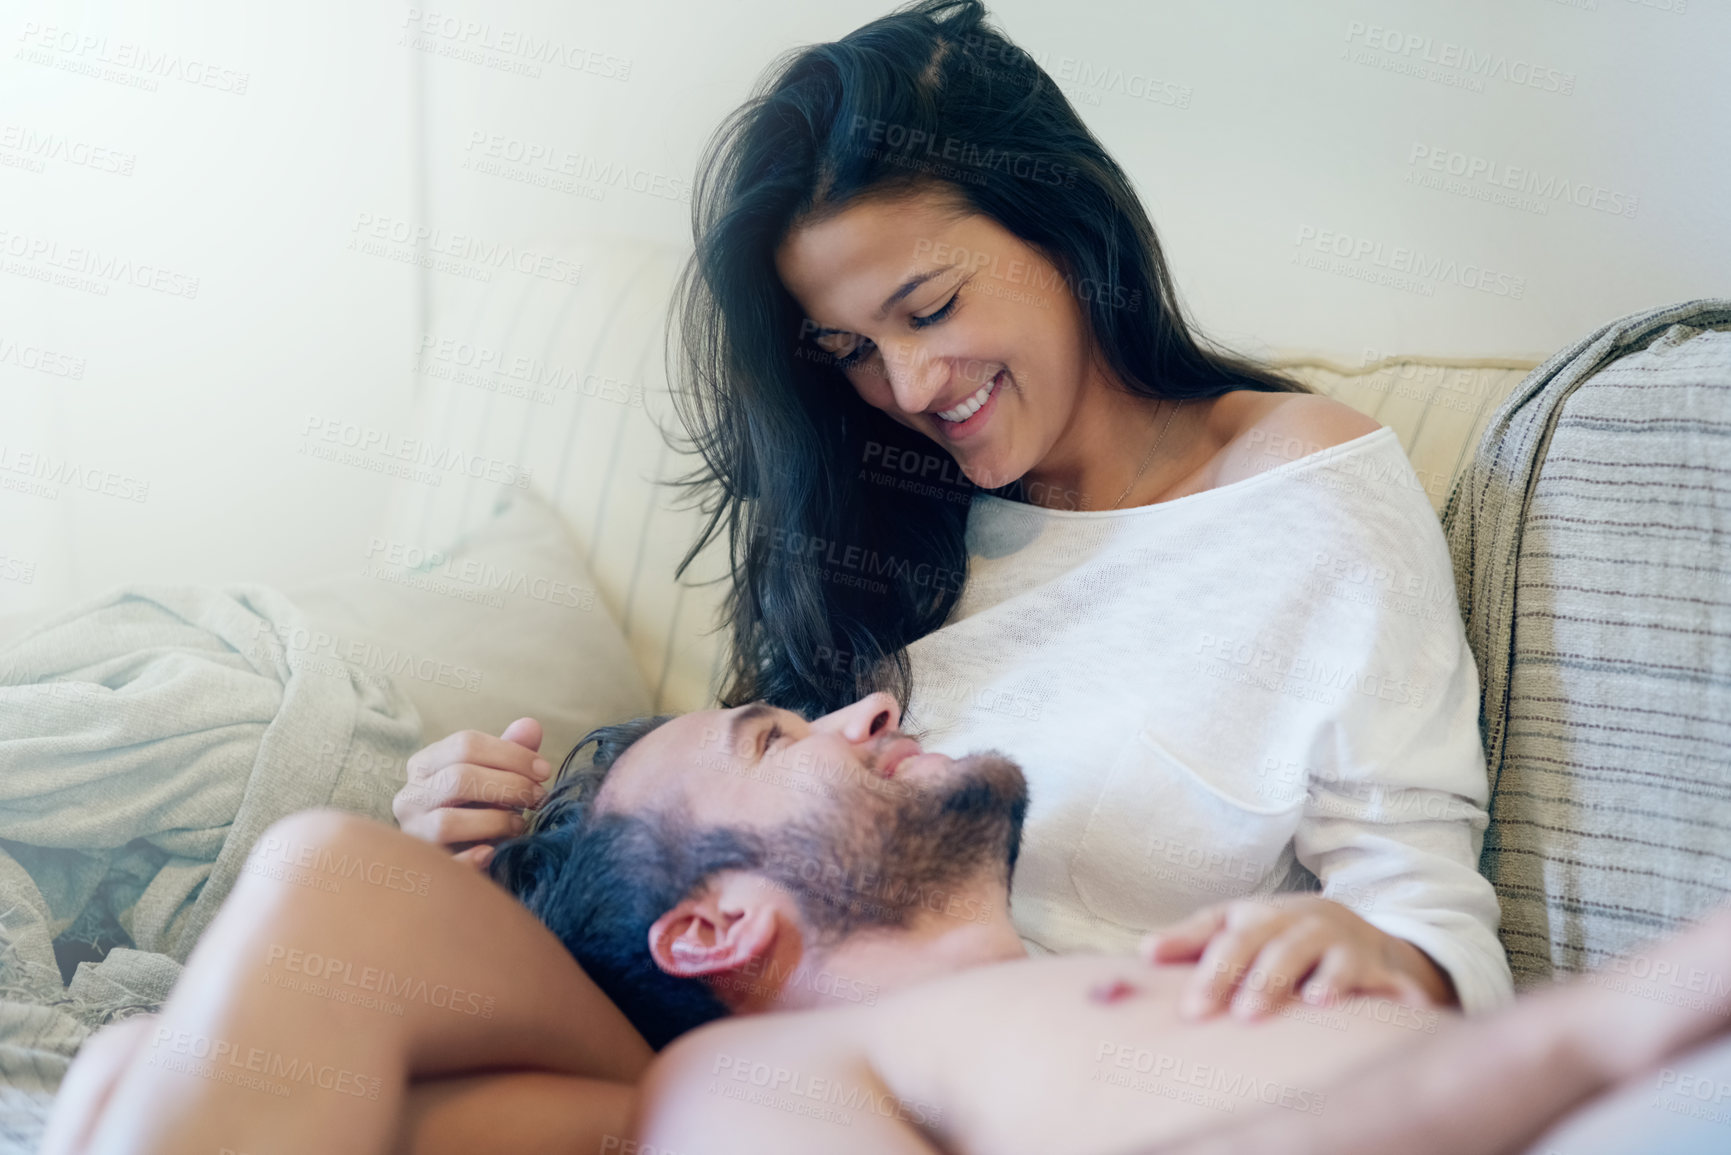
466 790
1254 955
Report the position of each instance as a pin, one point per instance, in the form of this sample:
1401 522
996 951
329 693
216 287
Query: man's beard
881 861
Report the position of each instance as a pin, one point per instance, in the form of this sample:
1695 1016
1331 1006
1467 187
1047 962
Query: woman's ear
732 921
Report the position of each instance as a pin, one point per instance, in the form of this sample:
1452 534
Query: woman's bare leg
524 1113
84 1092
348 959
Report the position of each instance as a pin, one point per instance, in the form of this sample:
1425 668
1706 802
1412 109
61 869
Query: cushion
1592 546
567 381
502 624
1437 408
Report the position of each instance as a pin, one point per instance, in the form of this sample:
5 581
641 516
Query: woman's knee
304 833
328 859
319 859
321 849
84 1092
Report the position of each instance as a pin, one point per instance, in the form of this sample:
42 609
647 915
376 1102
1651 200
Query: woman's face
948 323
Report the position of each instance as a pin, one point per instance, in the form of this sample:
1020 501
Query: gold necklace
1149 456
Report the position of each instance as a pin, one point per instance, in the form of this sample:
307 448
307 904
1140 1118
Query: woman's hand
1253 955
467 789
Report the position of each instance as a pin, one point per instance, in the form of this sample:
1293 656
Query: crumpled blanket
147 738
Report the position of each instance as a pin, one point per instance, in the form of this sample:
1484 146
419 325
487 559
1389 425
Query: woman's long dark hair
836 564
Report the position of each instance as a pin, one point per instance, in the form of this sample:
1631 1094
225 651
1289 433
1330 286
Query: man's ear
721 928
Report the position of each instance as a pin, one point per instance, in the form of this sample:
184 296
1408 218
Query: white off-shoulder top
1256 688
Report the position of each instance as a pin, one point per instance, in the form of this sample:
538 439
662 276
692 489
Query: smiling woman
909 248
883 215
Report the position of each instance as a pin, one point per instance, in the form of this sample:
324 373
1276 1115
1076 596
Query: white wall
1275 132
236 153
1272 130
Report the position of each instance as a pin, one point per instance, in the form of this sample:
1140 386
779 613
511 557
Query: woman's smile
970 416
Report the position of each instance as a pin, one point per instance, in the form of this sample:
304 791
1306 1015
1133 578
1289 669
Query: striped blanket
1591 539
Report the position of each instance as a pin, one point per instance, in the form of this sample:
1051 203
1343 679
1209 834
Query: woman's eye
843 355
862 347
933 318
771 737
855 355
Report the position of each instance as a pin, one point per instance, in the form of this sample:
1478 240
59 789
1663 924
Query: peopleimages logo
496 154
18 570
1223 1082
38 147
1530 189
39 359
1457 60
371 232
790 1089
437 460
413 565
1082 80
80 261
508 49
1038 277
1300 675
54 472
905 140
223 1060
1399 266
138 65
833 555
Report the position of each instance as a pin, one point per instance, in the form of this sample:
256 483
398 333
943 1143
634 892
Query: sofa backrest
1592 548
568 382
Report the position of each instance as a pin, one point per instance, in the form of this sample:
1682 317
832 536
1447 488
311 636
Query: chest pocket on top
1167 838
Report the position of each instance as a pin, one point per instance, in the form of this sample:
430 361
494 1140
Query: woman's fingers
476 856
1184 941
469 785
1253 956
1407 990
1335 976
1275 973
470 770
524 732
1226 961
479 749
450 825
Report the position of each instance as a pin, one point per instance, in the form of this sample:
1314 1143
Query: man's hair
599 882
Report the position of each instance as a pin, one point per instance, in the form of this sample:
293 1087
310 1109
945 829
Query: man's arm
1476 1087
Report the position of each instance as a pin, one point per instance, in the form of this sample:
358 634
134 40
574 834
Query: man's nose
865 719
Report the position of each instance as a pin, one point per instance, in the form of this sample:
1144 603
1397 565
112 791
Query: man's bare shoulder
790 1081
863 1078
1258 431
713 1049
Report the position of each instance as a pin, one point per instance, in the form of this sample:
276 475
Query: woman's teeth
972 405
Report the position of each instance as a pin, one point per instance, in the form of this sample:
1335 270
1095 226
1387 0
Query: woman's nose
914 377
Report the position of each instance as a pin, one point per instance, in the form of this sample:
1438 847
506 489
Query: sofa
1602 624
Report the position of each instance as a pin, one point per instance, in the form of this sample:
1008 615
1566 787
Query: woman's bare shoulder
1258 431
